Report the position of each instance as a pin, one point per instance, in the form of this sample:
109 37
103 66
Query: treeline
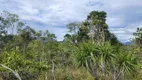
88 52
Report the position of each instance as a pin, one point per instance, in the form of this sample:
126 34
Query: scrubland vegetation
88 52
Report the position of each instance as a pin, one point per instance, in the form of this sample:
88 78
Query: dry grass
68 74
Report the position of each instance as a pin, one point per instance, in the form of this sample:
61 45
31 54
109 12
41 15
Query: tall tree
27 34
10 22
138 39
9 25
97 24
94 28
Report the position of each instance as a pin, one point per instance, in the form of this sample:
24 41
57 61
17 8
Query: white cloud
126 33
54 13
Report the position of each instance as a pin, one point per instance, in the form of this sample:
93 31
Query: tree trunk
46 76
53 69
141 52
93 69
119 75
14 72
97 72
24 48
104 72
113 73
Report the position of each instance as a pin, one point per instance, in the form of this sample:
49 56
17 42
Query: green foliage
103 57
138 36
90 52
94 28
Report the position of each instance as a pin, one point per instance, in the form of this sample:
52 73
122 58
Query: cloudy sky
123 16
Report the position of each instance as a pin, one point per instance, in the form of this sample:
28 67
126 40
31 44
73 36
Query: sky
123 16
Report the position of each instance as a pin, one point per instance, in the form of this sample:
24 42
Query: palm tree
106 58
127 64
95 58
102 60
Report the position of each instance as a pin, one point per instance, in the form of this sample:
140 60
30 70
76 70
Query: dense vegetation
88 52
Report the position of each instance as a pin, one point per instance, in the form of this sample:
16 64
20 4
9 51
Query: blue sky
123 16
